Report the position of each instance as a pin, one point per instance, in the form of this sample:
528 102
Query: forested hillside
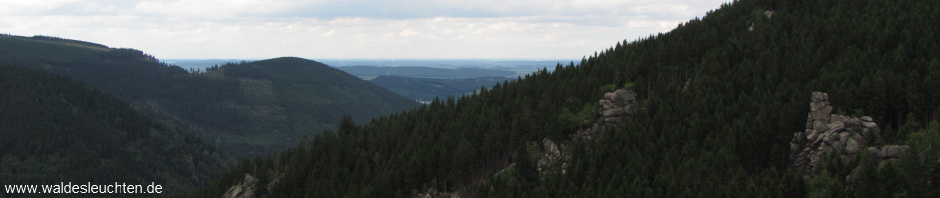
306 94
719 97
55 129
430 88
242 116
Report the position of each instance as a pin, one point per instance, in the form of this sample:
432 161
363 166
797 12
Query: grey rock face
840 136
819 100
613 112
614 108
892 151
554 154
852 146
242 190
829 133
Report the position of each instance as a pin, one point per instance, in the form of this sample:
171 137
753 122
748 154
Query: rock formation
242 190
612 108
432 193
830 135
767 13
616 104
554 153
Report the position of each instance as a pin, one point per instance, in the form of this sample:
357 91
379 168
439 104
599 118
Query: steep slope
240 116
719 99
310 94
55 130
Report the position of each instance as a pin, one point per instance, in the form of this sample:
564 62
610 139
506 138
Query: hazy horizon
520 66
418 29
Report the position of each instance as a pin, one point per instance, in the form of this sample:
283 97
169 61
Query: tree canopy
720 101
55 129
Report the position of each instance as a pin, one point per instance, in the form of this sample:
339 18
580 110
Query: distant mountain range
519 67
247 108
201 64
424 72
430 88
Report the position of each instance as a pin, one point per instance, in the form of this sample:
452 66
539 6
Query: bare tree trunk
899 121
649 87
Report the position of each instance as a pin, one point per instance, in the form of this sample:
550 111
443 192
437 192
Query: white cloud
351 29
213 9
408 32
23 7
330 33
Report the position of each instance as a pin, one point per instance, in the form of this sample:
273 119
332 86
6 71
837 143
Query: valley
756 98
245 109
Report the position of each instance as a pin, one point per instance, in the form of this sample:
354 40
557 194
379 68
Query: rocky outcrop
616 107
616 104
767 13
432 193
613 108
830 134
837 137
245 189
554 154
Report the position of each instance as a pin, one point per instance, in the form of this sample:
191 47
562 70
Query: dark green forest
720 97
55 129
252 108
430 88
309 96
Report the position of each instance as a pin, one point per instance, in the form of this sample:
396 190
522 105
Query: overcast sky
258 29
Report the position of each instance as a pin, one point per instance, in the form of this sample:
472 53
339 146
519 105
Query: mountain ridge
213 106
430 88
424 72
